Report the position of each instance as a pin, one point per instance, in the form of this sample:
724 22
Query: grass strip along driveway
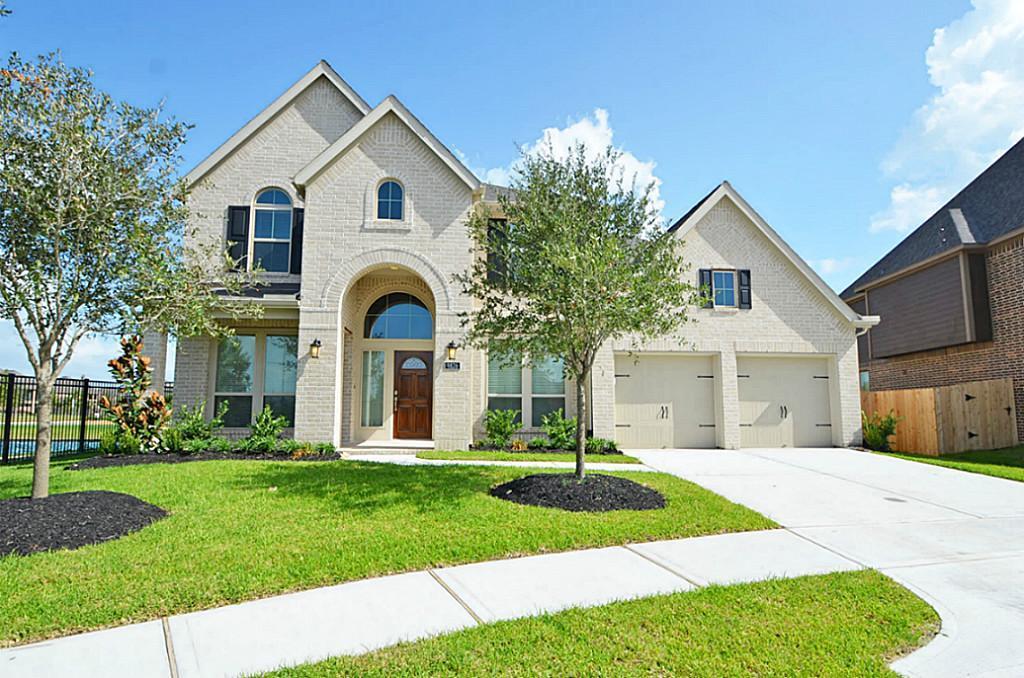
240 530
494 455
848 624
1005 463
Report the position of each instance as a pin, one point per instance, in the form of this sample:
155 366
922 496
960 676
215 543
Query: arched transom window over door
398 315
272 236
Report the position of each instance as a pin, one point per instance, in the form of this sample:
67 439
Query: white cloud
977 65
596 134
830 265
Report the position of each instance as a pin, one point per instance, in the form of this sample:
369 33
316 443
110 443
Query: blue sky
844 124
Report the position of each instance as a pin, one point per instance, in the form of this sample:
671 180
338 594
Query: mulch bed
111 460
595 493
71 520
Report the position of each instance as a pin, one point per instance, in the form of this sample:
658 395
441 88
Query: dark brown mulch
111 460
595 493
71 520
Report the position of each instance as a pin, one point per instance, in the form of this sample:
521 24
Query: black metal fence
78 420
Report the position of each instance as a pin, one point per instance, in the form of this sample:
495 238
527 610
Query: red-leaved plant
140 413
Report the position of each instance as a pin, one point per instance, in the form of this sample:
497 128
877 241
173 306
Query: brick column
154 346
602 393
727 400
318 387
452 426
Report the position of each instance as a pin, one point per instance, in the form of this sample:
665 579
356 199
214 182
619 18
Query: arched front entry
390 345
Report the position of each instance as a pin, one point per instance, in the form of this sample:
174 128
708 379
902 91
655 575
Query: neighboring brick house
951 294
359 216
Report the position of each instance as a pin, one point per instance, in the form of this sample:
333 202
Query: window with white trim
723 288
272 231
534 391
372 410
390 201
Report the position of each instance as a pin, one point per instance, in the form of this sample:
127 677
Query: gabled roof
725 190
989 207
322 69
347 140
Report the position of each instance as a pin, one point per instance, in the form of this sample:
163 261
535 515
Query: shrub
601 446
265 432
196 446
324 448
140 413
501 425
117 441
559 430
288 446
191 422
173 440
518 445
878 428
221 445
539 443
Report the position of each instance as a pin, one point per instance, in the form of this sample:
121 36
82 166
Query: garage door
664 401
784 402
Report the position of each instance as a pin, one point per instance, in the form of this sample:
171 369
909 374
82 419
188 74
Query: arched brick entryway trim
353 269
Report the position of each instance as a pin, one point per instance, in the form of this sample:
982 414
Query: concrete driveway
954 538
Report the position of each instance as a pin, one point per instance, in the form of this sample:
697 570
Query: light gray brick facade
350 259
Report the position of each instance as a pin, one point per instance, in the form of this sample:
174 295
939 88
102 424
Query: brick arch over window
353 269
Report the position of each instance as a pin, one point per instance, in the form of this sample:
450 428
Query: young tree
92 219
579 259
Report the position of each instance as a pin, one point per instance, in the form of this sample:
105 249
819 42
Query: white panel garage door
784 402
664 401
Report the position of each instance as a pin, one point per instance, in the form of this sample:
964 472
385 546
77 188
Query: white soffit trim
725 189
322 69
390 105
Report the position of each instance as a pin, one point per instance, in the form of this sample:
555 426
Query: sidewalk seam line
663 566
831 550
456 596
172 662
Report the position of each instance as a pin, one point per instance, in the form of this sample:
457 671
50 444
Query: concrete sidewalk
361 616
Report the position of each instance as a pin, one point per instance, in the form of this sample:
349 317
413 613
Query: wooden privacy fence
976 415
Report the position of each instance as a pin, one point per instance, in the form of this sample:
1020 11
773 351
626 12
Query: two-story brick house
951 294
358 215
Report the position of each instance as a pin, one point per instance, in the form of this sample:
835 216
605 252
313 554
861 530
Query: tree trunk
44 414
581 425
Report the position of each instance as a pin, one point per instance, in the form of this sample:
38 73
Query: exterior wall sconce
314 349
452 347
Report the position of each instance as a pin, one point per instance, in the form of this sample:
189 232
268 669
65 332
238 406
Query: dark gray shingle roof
990 206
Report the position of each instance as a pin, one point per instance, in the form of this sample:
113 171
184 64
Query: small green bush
878 429
265 432
119 441
324 448
173 440
601 446
559 430
221 445
539 443
288 446
191 422
501 425
196 446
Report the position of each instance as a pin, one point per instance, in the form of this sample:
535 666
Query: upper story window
390 201
398 315
725 288
272 234
723 285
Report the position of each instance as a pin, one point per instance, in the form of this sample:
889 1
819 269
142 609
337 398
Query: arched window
398 315
390 201
272 236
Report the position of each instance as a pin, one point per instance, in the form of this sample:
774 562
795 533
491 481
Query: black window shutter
238 235
744 282
705 287
297 219
497 269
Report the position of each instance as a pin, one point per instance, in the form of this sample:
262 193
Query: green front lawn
1005 463
848 624
493 455
240 530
